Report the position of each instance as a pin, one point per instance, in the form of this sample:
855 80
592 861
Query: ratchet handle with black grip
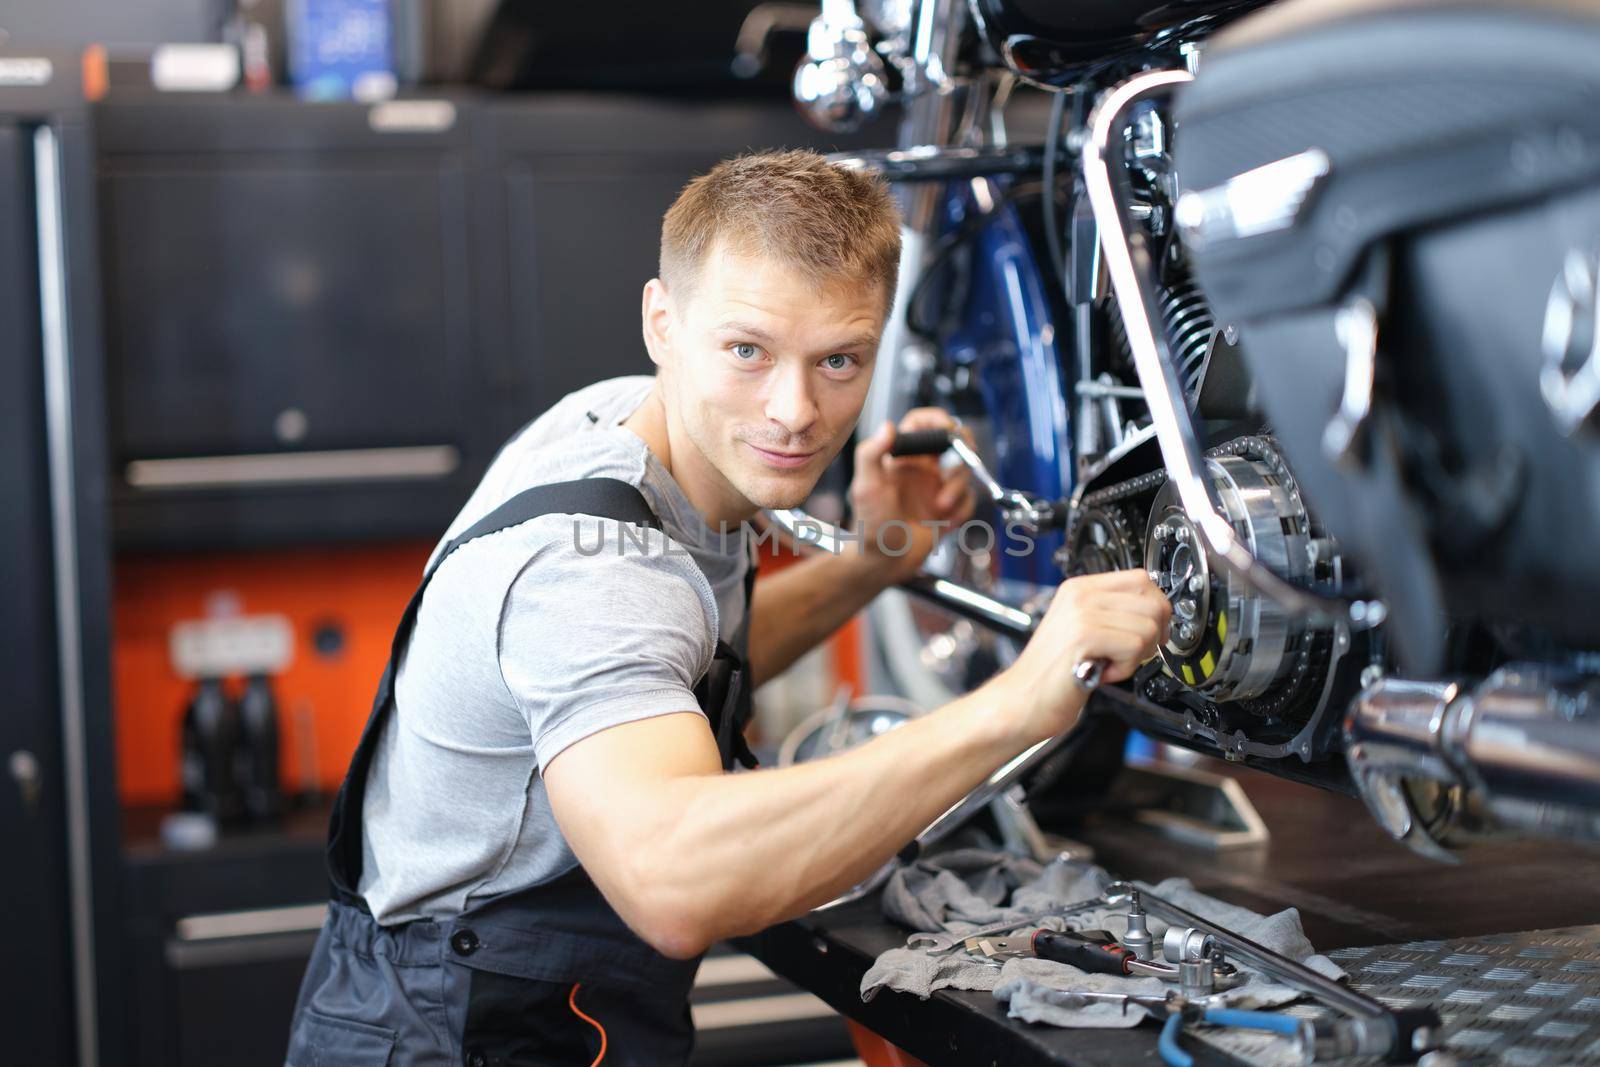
1095 951
920 442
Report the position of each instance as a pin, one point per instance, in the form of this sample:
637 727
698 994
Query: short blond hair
828 223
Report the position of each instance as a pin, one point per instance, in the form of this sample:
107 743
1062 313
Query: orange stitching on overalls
572 1002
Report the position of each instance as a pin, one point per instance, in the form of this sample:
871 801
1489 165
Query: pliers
1272 1022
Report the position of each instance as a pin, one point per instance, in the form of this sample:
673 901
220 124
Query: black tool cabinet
59 989
29 813
322 319
288 302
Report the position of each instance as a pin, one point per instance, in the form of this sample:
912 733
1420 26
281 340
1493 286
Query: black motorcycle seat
1363 78
1442 163
1425 110
1292 18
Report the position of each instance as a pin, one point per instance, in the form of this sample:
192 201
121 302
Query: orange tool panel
359 591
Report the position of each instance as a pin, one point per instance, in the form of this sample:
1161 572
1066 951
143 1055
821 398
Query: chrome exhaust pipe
1436 762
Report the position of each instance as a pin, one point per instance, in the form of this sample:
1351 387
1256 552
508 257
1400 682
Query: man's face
767 375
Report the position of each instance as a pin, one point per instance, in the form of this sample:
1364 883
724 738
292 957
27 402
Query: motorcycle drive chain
1257 447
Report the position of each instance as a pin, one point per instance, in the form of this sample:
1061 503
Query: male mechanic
537 838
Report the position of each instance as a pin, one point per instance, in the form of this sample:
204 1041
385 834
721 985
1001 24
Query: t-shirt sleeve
591 637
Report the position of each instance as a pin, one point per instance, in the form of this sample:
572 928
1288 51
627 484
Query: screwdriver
1095 951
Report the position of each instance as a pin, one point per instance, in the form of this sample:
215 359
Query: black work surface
1326 857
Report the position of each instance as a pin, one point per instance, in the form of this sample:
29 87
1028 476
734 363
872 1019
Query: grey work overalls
543 975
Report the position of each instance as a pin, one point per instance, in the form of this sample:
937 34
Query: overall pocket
524 1022
323 1041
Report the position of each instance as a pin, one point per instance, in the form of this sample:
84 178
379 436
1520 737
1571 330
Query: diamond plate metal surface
1526 1000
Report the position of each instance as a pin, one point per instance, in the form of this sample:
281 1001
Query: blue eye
744 350
839 361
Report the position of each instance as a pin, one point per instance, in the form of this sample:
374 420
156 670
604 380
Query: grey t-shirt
527 641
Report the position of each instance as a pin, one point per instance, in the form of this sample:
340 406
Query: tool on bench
1314 1040
1303 1032
1370 1028
1032 513
1136 939
943 942
1097 952
1094 951
1168 1001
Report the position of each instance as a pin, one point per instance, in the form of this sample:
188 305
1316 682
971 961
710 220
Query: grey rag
962 890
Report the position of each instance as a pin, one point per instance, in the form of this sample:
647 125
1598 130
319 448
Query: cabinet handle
294 468
25 771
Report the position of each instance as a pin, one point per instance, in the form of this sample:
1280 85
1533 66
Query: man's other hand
905 504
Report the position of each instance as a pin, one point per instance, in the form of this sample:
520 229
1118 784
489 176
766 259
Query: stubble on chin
765 493
784 499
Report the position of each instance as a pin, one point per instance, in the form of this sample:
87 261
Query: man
537 839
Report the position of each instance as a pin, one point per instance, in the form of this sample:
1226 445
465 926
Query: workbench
1326 857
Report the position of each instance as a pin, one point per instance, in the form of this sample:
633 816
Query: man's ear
657 317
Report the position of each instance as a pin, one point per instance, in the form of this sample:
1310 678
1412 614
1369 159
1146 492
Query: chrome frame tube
937 39
57 359
929 117
1132 272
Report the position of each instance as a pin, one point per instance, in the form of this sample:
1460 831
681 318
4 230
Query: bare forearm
741 852
798 607
688 855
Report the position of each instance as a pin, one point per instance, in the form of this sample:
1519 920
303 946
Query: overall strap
724 693
606 498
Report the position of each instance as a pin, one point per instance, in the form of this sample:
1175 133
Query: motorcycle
1294 306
